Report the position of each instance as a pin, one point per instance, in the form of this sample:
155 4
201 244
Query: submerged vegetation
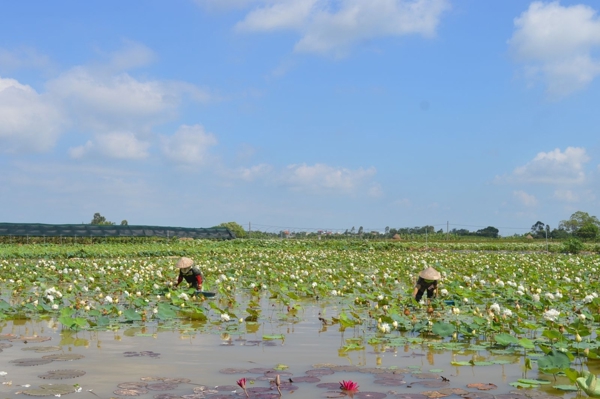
514 299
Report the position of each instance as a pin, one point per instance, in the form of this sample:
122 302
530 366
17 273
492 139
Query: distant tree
588 231
387 230
538 230
360 230
559 234
124 222
352 230
577 221
236 228
101 220
489 231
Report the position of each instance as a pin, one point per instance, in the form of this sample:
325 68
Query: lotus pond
507 325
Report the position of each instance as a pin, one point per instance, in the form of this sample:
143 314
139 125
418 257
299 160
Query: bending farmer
190 273
427 281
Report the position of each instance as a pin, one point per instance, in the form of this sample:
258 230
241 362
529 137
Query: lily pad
410 396
432 383
389 382
30 361
50 390
226 388
161 386
329 385
176 380
334 394
5 345
319 372
435 394
426 376
257 370
453 391
478 395
345 368
65 357
482 386
369 395
130 392
42 349
132 385
26 340
568 388
166 396
534 382
308 378
62 374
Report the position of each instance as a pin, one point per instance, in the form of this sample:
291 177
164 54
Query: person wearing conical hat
191 274
427 282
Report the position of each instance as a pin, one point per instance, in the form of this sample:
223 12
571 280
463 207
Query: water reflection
158 350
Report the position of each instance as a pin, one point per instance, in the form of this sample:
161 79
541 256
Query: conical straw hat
430 274
184 263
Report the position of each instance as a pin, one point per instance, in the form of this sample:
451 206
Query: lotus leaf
50 390
505 339
588 383
443 329
566 387
554 362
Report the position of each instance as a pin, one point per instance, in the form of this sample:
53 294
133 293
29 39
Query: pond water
174 362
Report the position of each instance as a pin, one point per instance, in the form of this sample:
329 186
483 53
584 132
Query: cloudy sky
300 114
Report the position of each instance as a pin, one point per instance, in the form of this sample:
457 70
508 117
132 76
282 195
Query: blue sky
300 114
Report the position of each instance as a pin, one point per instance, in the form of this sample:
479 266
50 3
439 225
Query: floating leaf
66 357
443 329
319 372
533 382
482 387
62 374
236 371
132 385
30 362
275 336
568 388
279 367
30 339
42 349
130 392
50 390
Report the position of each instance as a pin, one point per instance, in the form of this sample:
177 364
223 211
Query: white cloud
189 145
29 121
254 172
132 55
525 198
333 27
23 58
102 102
554 167
321 177
558 45
375 191
566 196
120 145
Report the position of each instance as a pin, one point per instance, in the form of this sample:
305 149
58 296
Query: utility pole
447 230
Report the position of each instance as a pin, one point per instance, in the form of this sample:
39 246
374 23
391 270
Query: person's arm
414 294
199 280
179 279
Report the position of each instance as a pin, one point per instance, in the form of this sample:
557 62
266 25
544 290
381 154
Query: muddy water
132 354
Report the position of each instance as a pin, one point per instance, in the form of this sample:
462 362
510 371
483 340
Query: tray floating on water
449 302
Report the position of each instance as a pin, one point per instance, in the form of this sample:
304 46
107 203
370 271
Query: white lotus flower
225 317
551 314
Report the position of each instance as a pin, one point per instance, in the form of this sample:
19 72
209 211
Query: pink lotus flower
348 386
242 383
